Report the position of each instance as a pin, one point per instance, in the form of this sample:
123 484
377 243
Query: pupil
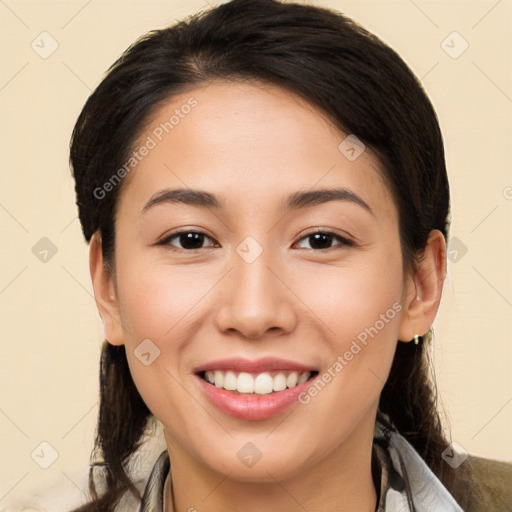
319 237
189 240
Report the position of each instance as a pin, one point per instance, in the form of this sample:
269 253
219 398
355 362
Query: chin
257 462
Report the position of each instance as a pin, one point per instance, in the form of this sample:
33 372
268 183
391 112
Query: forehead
249 143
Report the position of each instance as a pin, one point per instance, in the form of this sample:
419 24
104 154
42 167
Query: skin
252 145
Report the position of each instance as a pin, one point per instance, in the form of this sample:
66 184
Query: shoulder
494 481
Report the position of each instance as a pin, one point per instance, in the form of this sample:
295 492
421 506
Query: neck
341 481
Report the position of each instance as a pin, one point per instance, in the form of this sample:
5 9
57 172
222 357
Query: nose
255 299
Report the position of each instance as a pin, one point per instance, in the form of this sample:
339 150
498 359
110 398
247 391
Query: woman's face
254 294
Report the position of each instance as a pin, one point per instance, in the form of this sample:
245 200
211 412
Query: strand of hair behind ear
410 400
122 421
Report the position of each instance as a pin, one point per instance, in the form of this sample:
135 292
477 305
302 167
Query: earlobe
424 289
105 293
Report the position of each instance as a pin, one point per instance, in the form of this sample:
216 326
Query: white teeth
245 383
303 377
230 381
292 379
261 384
219 379
279 382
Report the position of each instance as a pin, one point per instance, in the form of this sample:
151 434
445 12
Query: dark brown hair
360 83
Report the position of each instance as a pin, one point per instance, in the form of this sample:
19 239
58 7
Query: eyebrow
297 200
305 199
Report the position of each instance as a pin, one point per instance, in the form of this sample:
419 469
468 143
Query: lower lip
253 407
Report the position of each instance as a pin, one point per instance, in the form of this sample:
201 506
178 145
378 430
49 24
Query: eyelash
344 242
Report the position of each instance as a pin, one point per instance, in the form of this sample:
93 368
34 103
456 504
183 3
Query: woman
286 355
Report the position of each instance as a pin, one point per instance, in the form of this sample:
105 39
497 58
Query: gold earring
416 339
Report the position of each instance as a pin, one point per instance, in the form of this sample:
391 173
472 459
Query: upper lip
239 364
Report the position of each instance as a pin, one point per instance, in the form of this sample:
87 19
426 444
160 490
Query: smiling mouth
263 383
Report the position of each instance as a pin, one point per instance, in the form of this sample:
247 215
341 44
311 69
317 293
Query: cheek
353 298
161 306
156 303
154 299
361 309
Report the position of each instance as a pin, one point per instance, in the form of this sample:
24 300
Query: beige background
51 332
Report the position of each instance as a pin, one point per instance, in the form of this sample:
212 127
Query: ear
424 288
105 292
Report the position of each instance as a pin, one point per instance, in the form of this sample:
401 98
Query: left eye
321 240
